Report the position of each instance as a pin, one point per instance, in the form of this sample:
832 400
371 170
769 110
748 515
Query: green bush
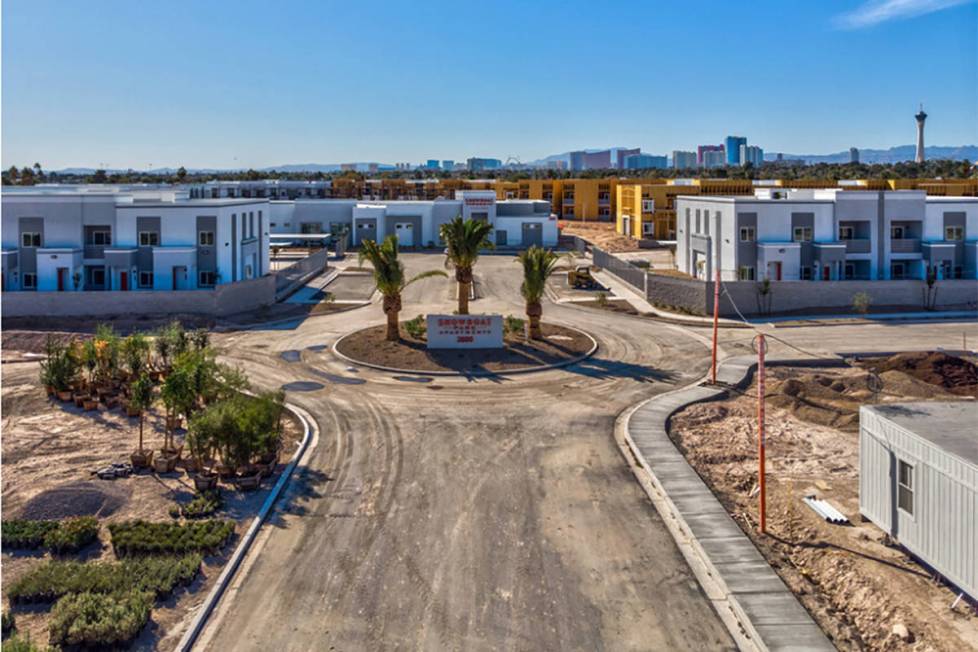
144 537
99 620
9 622
54 579
203 504
417 327
17 644
69 535
72 535
602 299
513 324
25 535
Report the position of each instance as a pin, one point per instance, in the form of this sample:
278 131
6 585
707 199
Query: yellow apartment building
585 199
537 189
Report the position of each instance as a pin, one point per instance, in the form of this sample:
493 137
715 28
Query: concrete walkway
738 577
312 291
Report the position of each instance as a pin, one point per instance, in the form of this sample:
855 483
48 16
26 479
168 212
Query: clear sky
238 83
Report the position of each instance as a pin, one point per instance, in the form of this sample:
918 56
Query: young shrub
19 534
602 299
416 328
99 620
203 505
861 302
143 537
513 324
9 622
72 535
17 644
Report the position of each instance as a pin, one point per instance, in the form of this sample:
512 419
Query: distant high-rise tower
853 155
921 116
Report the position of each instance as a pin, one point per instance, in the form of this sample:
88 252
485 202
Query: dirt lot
851 578
559 344
602 234
49 452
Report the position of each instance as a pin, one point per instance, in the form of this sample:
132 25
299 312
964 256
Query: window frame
746 273
807 233
98 270
200 238
850 229
200 279
23 281
956 229
35 236
905 487
149 238
751 234
139 279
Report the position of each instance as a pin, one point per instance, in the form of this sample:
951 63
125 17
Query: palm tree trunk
463 297
393 331
533 312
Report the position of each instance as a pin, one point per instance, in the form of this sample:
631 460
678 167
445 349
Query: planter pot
267 469
161 464
174 423
205 481
132 411
49 389
269 458
249 483
141 459
65 396
80 399
111 401
224 471
176 453
90 403
190 465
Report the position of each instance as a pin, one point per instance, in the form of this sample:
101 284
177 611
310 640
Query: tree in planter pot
135 356
59 369
89 357
140 398
203 433
179 398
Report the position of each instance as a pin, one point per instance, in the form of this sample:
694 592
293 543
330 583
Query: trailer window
905 487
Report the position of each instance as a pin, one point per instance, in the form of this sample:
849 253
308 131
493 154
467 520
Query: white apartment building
790 235
129 239
517 222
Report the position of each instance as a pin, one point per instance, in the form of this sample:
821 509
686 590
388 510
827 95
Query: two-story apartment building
785 235
113 238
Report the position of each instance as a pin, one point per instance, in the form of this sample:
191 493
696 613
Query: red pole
761 346
716 320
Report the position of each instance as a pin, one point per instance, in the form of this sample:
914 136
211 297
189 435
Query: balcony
858 246
905 246
604 199
569 200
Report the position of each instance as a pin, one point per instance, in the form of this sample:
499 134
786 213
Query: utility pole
716 320
761 350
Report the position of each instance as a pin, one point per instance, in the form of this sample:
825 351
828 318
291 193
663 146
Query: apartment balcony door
62 278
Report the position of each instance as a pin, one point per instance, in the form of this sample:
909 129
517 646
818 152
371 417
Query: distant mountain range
892 155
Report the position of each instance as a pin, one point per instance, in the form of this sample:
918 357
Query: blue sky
255 84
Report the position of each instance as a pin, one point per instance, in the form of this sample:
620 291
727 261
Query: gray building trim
28 255
206 254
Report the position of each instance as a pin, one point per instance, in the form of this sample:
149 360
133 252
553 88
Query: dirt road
467 514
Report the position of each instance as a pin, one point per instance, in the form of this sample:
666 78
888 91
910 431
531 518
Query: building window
30 239
648 228
847 233
746 273
897 232
149 239
953 233
898 271
206 279
806 273
29 280
205 238
802 234
100 238
849 271
905 487
648 206
145 279
746 234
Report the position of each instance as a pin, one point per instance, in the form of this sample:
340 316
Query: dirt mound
75 499
953 374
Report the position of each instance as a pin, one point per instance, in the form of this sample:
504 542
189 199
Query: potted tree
85 399
140 398
178 397
58 370
201 437
538 265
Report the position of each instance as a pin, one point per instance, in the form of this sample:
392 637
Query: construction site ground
859 585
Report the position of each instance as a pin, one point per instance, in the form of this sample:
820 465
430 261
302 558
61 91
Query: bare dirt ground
856 584
49 451
558 345
602 234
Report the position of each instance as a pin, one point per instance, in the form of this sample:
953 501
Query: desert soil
602 234
559 344
49 453
856 583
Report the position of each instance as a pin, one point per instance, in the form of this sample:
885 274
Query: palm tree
390 279
464 239
538 265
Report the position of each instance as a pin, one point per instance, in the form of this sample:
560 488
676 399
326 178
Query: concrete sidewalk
737 576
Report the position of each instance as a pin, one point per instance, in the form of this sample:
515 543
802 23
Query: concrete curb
479 374
759 611
227 574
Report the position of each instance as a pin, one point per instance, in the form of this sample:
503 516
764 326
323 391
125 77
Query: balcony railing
905 246
858 246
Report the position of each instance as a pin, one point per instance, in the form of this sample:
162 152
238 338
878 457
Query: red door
61 278
124 281
777 271
825 273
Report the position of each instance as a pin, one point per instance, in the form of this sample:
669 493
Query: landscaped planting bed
98 619
54 579
144 537
69 535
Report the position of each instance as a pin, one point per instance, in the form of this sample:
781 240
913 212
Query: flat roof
950 425
190 203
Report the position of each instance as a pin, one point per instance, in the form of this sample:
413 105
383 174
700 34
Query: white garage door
405 234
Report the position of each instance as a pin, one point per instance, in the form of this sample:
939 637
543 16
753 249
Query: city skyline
221 100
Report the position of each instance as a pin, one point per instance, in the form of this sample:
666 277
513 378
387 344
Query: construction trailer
918 481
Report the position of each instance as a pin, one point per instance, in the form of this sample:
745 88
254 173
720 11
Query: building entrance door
124 280
62 278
